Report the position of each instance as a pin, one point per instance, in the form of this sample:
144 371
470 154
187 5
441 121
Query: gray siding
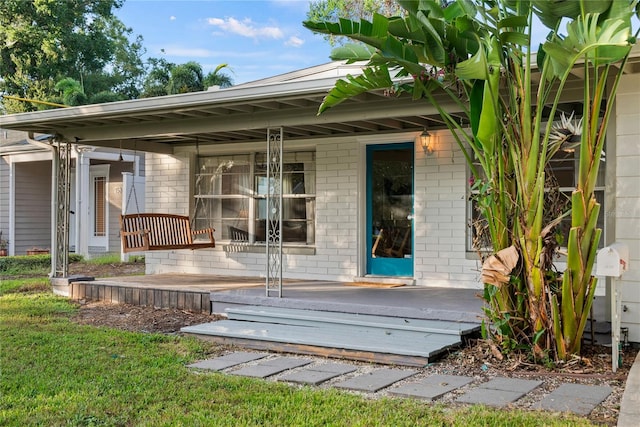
4 198
32 206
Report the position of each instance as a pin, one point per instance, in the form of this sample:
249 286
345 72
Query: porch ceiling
179 120
241 114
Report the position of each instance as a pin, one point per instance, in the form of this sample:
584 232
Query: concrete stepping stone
376 380
316 374
269 367
432 387
499 391
577 398
227 361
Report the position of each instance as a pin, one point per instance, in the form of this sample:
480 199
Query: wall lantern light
426 141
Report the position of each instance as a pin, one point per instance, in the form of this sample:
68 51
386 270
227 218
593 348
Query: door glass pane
391 203
100 206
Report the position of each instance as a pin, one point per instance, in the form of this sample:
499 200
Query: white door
98 220
74 211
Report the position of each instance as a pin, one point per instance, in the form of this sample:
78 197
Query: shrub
28 263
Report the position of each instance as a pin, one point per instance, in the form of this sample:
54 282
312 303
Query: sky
256 38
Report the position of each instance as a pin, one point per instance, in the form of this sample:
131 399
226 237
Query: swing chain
132 191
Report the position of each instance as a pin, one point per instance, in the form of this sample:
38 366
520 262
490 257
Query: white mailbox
612 260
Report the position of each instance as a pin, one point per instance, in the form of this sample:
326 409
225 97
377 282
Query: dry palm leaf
497 268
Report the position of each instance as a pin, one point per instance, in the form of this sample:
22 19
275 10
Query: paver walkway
499 391
576 398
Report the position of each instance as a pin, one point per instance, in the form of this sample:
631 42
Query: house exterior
362 197
96 187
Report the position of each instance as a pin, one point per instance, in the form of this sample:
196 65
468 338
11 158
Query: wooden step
312 317
381 339
374 340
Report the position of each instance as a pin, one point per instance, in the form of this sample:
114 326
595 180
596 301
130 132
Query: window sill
473 255
254 248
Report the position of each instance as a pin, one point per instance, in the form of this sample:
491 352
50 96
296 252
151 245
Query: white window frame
253 198
95 172
599 189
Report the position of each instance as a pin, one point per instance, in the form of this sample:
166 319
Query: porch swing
160 231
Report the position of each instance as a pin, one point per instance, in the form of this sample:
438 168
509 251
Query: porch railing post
61 198
274 213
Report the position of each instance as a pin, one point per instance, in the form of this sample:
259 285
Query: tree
333 10
43 41
72 92
185 78
157 79
166 78
478 53
217 78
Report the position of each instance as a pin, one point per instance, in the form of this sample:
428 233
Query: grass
55 372
113 259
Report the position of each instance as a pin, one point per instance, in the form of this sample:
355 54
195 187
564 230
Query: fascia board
171 102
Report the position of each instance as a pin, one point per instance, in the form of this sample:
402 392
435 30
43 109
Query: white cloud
294 41
172 18
246 28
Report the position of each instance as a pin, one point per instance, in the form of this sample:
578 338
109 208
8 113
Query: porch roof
243 113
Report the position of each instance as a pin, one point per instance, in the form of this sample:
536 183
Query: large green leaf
370 33
372 78
459 8
483 63
394 51
601 43
475 105
352 52
551 12
514 37
428 7
427 45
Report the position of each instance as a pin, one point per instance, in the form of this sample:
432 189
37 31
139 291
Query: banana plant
478 53
600 39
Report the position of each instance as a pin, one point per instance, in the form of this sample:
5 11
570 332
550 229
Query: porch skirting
190 300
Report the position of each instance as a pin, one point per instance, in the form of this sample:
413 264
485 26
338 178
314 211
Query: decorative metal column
274 213
61 200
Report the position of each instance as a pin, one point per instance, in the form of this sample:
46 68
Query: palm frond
371 79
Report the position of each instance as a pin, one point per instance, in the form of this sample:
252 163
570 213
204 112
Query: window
563 168
231 196
100 206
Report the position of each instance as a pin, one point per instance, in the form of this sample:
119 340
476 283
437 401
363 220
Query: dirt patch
106 270
140 319
480 361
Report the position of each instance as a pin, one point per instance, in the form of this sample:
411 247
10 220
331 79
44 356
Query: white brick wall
627 196
440 207
440 258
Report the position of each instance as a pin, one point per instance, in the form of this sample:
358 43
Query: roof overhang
241 114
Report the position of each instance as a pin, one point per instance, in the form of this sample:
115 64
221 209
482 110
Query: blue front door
390 209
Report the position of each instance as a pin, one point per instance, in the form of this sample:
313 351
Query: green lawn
55 372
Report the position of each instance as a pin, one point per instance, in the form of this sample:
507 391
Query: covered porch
396 324
218 292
